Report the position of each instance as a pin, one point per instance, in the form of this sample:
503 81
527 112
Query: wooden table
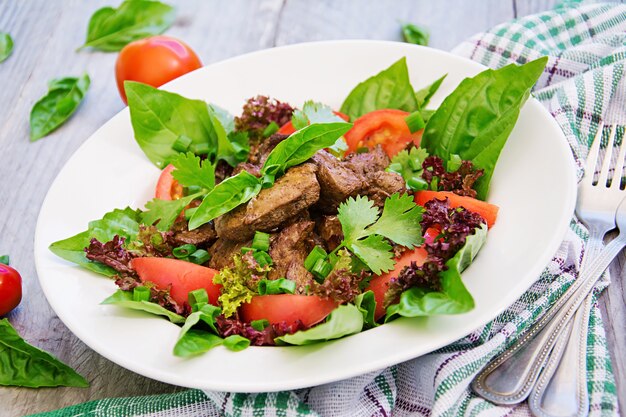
46 34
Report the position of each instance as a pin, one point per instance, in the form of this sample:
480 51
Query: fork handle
509 378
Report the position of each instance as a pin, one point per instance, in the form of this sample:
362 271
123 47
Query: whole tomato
154 61
10 289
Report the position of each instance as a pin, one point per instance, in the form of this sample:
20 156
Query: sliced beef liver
365 163
266 146
203 236
292 193
329 229
380 185
337 181
289 248
250 168
222 253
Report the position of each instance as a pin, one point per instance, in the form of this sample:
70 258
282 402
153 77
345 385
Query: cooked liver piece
329 229
203 236
250 168
380 185
222 253
266 146
289 248
337 181
292 193
364 163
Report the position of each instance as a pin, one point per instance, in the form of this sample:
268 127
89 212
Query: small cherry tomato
167 187
10 289
154 61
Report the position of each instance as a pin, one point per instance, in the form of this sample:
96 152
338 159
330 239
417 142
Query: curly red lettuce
259 112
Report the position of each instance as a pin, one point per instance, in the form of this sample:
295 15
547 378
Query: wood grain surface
46 35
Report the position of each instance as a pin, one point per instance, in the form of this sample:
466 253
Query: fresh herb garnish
415 34
111 29
191 171
475 121
6 46
52 110
408 163
163 213
24 365
276 286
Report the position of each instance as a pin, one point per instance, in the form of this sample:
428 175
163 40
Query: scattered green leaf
343 321
6 46
415 34
125 299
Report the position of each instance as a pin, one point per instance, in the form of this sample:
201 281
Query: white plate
534 185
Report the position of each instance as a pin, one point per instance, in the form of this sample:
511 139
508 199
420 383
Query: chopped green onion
261 241
395 167
270 129
415 121
434 184
197 298
4 259
276 286
259 325
245 249
189 212
417 184
184 251
141 294
321 269
199 257
182 143
236 343
363 149
200 148
263 258
315 255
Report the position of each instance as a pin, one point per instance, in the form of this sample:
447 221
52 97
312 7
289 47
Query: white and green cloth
583 84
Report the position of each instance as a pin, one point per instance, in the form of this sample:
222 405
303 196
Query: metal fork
510 377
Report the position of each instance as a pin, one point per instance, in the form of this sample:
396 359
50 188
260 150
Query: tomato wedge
288 129
167 187
181 275
487 211
310 309
385 127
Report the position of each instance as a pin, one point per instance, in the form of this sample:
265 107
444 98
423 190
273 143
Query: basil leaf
24 365
453 298
424 95
227 195
124 223
343 321
366 303
195 342
475 121
111 29
160 117
6 46
53 109
227 150
4 259
236 343
303 144
125 299
415 34
389 89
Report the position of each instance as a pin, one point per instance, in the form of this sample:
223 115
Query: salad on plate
294 225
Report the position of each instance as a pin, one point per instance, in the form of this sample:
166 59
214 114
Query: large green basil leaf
453 298
111 29
159 118
475 121
24 365
228 150
124 223
52 110
424 95
6 46
343 321
389 89
125 299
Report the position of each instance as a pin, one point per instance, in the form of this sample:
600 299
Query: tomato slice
385 127
181 275
487 211
288 129
167 187
310 309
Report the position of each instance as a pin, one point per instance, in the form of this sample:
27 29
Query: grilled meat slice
289 248
381 185
329 229
365 163
222 253
204 236
250 168
337 181
259 155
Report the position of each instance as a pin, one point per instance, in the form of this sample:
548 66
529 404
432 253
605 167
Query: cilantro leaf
355 214
409 165
400 221
192 171
165 211
375 252
299 119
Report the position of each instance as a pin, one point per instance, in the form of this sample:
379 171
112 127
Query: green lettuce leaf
6 46
125 299
453 297
475 121
366 303
195 342
389 89
111 29
24 365
343 321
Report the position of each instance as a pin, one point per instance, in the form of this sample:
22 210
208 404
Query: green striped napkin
583 83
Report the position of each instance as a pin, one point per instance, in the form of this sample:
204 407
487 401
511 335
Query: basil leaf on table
415 34
24 365
475 121
159 118
389 89
111 29
124 223
52 110
453 298
6 46
125 299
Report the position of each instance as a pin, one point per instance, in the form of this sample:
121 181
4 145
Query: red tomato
290 308
167 187
154 61
487 211
181 275
385 127
288 129
10 289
